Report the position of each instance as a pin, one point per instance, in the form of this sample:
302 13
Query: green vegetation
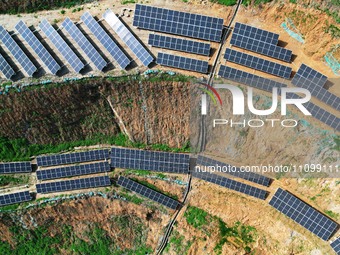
178 244
9 179
337 143
62 12
293 1
239 235
333 30
332 214
96 241
138 172
132 198
226 2
128 2
256 2
196 217
16 7
21 149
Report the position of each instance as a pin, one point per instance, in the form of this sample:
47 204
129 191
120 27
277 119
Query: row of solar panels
65 50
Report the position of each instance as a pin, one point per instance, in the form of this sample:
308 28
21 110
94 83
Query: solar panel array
336 245
15 198
308 76
303 214
320 114
37 47
84 44
150 160
63 172
179 23
128 38
61 46
231 184
122 60
248 79
5 68
15 167
70 158
258 63
84 183
312 80
253 177
263 48
147 192
179 44
256 33
17 52
184 63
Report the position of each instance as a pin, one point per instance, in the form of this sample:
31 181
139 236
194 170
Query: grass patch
196 217
9 179
332 214
138 172
178 244
128 2
337 143
225 2
132 198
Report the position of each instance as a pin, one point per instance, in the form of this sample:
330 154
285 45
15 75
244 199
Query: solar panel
37 47
308 76
70 158
263 48
63 172
258 63
15 167
336 245
253 177
248 79
128 38
147 192
84 44
231 184
84 183
150 160
122 60
320 114
17 52
61 46
15 198
312 80
256 33
303 214
184 45
179 23
5 68
184 63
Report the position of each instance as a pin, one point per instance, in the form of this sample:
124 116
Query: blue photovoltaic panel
122 60
17 52
84 183
249 79
249 176
150 160
128 38
179 23
314 81
15 198
258 63
62 172
336 246
320 114
308 76
5 68
184 45
256 33
263 48
147 192
303 214
231 184
69 158
15 167
61 46
184 63
37 47
84 44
